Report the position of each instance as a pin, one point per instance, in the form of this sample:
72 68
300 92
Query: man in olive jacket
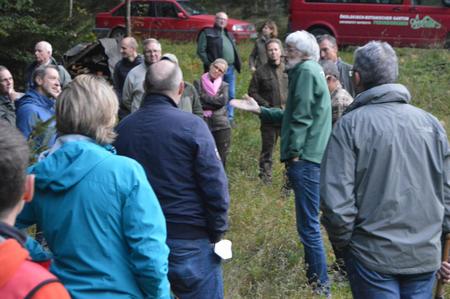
269 87
385 184
305 129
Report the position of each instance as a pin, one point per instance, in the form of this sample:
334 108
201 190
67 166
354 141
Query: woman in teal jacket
97 211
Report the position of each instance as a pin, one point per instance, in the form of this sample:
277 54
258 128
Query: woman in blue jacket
97 211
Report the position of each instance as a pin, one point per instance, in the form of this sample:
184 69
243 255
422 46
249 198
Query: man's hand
247 104
444 272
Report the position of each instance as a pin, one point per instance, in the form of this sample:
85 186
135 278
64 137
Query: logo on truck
415 23
426 22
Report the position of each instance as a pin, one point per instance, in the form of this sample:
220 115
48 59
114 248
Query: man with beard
133 88
130 59
7 96
38 104
305 130
269 86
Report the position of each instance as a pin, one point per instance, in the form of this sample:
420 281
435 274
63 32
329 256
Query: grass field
268 257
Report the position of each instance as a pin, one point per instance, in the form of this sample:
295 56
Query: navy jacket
182 164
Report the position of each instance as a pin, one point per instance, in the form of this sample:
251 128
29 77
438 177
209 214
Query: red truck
418 23
165 19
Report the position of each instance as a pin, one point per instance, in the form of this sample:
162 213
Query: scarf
210 87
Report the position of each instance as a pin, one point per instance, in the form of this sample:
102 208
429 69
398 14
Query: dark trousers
195 271
223 141
269 137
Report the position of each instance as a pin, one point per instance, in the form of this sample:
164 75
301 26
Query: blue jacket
102 222
33 107
182 164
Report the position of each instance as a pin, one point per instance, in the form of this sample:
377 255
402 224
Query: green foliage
25 22
40 137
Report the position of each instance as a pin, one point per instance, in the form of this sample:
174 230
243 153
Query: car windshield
192 8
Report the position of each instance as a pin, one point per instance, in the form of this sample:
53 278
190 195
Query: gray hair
46 45
88 106
305 43
330 38
220 61
151 41
41 71
3 68
131 42
163 77
376 63
330 68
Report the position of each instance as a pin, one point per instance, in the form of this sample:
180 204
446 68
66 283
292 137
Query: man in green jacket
305 129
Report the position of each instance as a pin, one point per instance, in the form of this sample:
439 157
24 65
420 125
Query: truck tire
319 31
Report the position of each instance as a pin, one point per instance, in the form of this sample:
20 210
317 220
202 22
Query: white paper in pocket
223 249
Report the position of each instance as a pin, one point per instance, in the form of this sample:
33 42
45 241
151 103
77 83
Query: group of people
137 207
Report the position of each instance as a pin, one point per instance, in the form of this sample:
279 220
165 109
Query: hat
170 57
330 68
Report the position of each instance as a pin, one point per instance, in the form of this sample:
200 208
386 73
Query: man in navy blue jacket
183 166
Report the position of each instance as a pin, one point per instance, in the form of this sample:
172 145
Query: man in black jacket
217 42
180 158
130 59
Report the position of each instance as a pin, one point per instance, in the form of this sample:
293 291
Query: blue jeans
370 284
195 271
230 78
304 177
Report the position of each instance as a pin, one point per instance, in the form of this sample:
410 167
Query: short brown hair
14 157
88 106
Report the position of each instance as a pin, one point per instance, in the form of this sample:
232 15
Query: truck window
435 3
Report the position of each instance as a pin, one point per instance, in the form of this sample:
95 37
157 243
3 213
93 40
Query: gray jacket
385 184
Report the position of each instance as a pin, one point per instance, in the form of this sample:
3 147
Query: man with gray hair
329 51
43 56
133 88
182 165
305 129
340 98
38 105
385 184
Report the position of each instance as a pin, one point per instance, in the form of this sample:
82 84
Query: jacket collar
10 232
157 99
385 93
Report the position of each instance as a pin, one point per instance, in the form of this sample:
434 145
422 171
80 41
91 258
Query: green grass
268 257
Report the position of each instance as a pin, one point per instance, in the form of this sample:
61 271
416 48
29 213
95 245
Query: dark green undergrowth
268 257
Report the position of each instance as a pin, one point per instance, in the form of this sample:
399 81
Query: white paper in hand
223 249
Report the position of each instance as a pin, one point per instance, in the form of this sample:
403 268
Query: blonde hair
88 106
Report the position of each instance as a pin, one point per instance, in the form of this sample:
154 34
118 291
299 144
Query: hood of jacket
35 98
68 165
385 93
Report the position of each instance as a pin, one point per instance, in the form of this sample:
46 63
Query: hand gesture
247 104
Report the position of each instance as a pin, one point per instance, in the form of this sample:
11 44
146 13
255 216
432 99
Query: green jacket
306 121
